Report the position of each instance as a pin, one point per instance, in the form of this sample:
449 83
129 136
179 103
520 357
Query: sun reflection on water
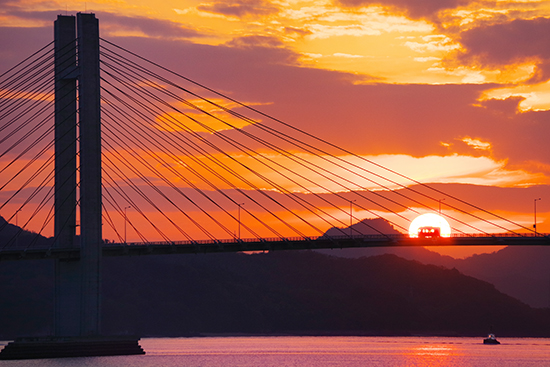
431 355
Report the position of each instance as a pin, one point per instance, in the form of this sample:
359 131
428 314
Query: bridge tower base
57 347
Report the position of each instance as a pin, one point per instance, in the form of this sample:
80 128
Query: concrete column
90 172
67 298
67 274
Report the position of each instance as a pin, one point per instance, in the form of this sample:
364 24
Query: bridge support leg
67 273
90 172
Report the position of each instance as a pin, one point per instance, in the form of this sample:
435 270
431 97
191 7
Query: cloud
297 31
359 22
347 56
404 122
416 9
111 23
369 119
432 44
509 43
16 15
255 42
114 23
426 59
322 31
240 8
477 143
17 43
530 97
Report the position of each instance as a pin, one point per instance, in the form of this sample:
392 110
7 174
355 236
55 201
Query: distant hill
366 226
298 292
521 272
12 236
306 292
382 226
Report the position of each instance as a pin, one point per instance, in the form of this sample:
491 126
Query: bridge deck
276 244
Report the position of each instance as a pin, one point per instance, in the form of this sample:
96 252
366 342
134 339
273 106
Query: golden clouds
382 43
305 173
23 95
239 8
201 116
533 97
196 122
477 143
432 43
393 40
322 29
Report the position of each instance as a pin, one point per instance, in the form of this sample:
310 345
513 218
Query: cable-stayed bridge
183 162
97 143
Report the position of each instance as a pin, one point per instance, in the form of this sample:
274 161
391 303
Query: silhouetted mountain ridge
521 272
298 292
378 226
12 236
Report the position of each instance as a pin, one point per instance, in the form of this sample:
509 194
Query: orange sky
448 92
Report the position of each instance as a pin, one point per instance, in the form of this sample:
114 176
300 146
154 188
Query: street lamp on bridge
17 225
125 221
535 225
351 217
239 220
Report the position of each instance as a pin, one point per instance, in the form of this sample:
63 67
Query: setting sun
430 220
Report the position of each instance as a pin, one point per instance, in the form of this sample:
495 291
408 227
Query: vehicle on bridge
429 232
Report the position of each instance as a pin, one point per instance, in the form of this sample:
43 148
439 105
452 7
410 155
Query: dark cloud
491 198
109 22
18 43
506 108
415 9
256 41
510 43
240 8
150 27
32 15
297 31
6 6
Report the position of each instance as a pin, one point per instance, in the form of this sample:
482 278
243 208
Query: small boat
491 339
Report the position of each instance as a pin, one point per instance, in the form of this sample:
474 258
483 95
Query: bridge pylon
77 310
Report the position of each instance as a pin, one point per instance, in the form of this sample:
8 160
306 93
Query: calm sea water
319 351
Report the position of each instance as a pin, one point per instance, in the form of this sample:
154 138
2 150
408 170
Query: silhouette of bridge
276 244
89 125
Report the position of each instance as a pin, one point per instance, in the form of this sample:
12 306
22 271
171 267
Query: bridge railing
355 237
277 243
363 237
